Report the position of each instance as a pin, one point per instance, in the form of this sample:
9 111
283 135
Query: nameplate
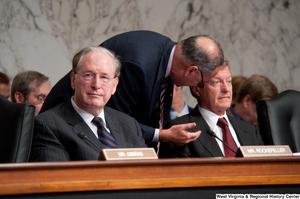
262 151
128 154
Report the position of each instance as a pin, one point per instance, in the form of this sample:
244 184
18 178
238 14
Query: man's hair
78 57
258 87
224 64
198 56
4 79
236 83
26 82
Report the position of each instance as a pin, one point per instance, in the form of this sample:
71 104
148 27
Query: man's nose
226 86
97 83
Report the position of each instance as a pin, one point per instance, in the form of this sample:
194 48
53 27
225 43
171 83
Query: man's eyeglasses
201 84
89 76
40 98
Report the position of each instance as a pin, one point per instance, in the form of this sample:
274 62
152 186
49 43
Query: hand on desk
178 135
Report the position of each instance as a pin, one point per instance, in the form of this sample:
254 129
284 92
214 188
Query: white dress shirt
212 120
87 117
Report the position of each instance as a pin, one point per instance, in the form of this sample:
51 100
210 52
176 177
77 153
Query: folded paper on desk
263 151
127 154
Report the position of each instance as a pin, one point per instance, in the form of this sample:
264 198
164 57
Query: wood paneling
49 177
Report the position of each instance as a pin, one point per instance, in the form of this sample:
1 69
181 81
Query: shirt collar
234 113
170 62
87 117
211 118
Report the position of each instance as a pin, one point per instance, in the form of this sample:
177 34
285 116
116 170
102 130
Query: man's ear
247 100
190 70
115 84
19 97
195 90
72 76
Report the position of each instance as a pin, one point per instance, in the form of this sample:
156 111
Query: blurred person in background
252 90
179 106
236 83
4 85
30 87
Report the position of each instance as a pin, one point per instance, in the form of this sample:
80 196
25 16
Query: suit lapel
240 131
156 93
79 126
114 128
161 73
207 141
168 99
155 100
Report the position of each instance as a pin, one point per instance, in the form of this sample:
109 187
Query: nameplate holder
263 151
128 154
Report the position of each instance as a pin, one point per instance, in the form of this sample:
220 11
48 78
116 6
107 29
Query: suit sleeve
140 134
130 90
46 146
130 97
148 133
61 92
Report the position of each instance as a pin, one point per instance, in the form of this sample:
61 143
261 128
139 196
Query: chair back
16 130
279 120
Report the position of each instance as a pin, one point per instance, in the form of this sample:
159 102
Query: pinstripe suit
56 137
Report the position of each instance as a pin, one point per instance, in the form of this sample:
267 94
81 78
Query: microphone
84 137
213 134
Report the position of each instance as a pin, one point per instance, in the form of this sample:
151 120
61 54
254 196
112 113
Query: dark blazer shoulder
247 134
241 124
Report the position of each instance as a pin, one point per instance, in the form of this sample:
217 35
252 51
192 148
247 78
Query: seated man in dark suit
214 96
31 87
80 128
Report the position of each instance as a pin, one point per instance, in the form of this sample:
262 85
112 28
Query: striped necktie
227 138
162 103
161 108
103 135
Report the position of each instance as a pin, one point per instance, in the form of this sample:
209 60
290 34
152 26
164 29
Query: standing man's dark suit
59 134
144 56
206 145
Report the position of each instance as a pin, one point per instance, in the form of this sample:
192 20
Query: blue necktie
103 135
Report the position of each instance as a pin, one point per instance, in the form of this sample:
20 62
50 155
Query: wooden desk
99 176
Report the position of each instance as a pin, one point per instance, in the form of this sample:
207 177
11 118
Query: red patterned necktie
227 138
103 135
